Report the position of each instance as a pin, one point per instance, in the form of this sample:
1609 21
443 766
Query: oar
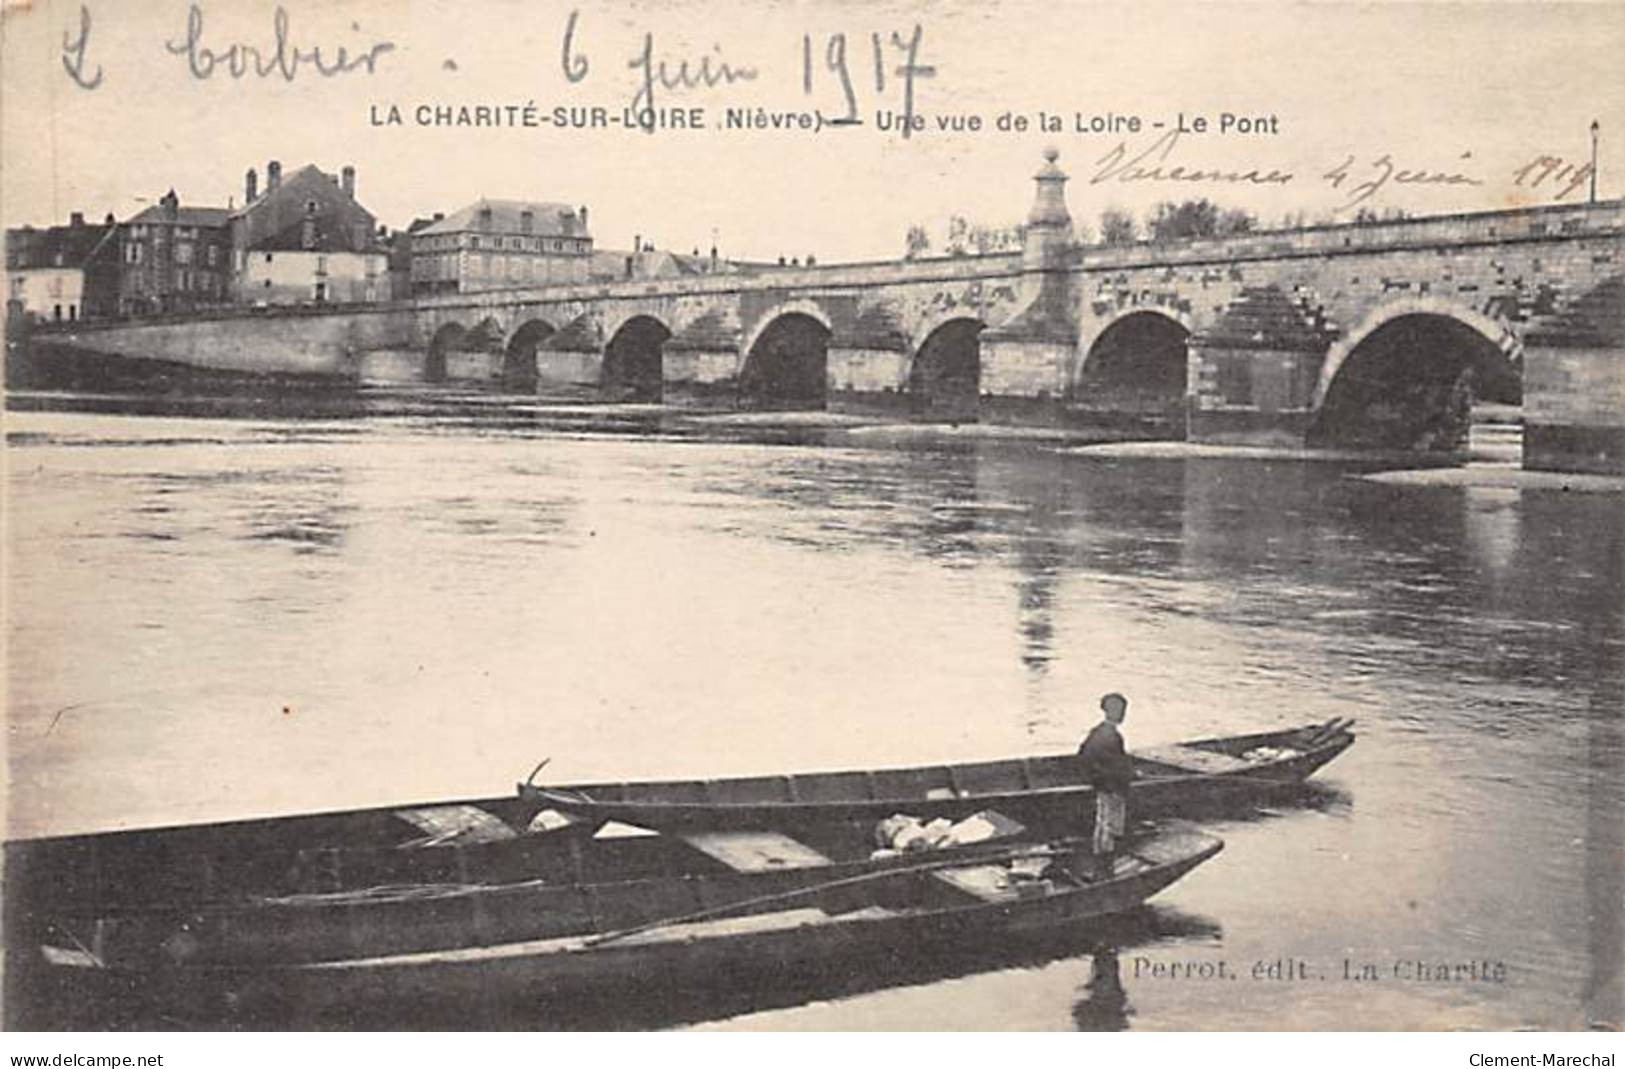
819 888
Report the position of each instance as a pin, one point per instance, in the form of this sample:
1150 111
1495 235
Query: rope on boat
403 892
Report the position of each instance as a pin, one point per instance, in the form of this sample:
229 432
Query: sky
1475 91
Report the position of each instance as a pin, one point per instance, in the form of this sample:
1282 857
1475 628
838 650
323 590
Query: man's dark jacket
1106 765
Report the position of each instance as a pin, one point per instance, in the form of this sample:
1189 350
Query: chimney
348 181
273 175
438 216
251 186
637 242
170 203
76 220
583 218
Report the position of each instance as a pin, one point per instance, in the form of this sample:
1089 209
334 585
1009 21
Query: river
216 613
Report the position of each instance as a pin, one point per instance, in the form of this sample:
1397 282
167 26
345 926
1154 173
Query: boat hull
549 978
1055 808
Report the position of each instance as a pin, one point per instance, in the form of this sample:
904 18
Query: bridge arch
1139 355
787 363
1407 377
519 355
633 367
945 375
1495 330
807 308
450 337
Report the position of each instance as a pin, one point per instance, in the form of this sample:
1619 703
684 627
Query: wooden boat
457 948
1042 792
505 839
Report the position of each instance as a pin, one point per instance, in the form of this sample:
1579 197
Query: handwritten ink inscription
282 58
876 74
73 54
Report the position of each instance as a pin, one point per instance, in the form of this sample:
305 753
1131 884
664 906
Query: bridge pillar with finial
1026 360
1048 240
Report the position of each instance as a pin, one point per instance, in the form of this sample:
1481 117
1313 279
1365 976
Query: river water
221 613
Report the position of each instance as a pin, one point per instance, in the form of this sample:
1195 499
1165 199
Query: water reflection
445 589
650 1001
1102 1004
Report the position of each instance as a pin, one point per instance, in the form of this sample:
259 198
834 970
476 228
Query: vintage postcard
813 516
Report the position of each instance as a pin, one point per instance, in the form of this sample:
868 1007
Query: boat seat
990 883
1207 762
756 851
459 824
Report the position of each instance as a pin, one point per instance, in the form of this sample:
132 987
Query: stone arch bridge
1359 335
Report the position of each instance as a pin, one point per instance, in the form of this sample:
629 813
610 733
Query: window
132 253
473 242
267 259
183 253
209 254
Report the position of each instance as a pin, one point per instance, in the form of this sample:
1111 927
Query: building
496 244
647 262
306 239
399 247
64 273
174 258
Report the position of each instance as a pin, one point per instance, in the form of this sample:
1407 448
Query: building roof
184 216
551 219
287 182
276 219
59 246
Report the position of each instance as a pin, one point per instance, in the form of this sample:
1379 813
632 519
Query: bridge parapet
811 279
1544 223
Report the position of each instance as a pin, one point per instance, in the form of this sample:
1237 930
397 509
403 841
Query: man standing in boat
1108 768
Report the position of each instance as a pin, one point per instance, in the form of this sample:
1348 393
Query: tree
1197 219
1117 227
918 242
1236 221
1191 219
985 239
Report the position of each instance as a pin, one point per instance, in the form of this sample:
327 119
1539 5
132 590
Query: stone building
64 273
306 239
174 258
496 244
